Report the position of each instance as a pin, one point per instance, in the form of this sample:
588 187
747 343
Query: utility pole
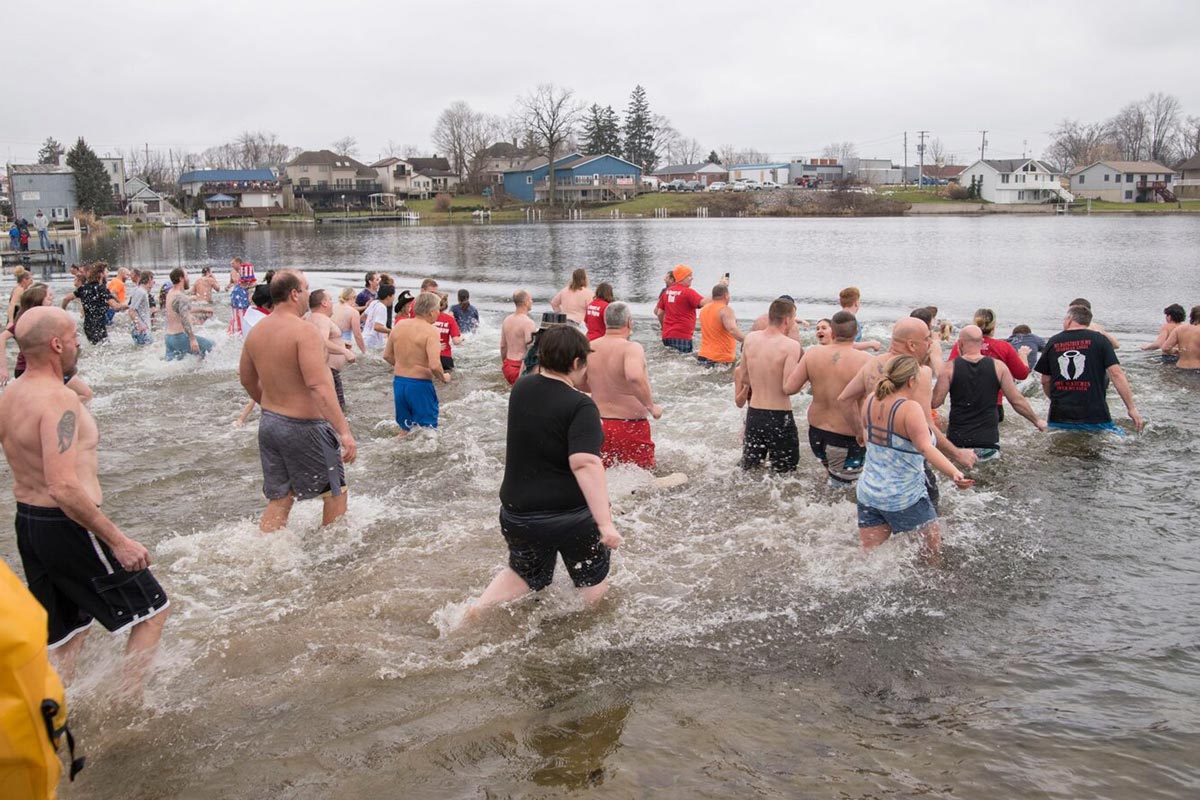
904 175
982 144
921 154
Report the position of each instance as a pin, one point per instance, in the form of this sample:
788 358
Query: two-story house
328 180
1015 180
1124 181
577 178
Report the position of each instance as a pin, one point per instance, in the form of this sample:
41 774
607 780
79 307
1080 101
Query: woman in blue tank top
891 491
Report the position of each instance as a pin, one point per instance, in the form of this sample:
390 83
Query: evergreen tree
593 124
713 158
639 132
51 152
92 190
612 131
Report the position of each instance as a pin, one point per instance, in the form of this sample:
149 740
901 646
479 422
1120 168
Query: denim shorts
917 515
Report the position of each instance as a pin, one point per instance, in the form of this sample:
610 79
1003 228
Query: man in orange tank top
719 332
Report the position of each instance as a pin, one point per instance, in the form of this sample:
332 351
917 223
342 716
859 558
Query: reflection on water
747 649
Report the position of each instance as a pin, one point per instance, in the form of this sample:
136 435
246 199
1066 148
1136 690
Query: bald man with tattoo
77 562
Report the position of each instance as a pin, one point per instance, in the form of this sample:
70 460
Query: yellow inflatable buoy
33 709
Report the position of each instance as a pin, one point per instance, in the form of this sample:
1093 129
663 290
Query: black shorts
76 577
771 435
535 539
842 455
447 363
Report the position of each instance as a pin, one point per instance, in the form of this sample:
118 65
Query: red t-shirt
447 328
679 304
1004 352
594 318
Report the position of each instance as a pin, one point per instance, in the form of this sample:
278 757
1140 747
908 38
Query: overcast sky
782 77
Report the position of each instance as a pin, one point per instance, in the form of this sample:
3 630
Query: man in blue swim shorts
414 349
1076 366
180 339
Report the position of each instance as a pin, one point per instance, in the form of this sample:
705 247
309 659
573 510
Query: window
529 180
1083 179
1105 178
1129 177
304 167
1128 195
1004 178
1020 195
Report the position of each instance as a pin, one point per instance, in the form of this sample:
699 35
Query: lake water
748 648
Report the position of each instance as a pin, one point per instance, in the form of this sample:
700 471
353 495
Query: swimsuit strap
873 430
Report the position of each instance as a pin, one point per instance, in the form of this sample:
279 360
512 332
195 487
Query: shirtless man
850 299
793 331
1186 339
74 556
912 337
619 383
203 292
414 348
283 370
767 356
337 353
516 334
829 368
180 337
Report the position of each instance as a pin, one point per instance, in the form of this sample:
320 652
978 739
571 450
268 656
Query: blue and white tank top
893 477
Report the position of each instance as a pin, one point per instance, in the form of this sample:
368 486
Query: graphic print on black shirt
1077 362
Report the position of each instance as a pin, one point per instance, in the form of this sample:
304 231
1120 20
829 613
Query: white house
760 173
1015 180
1124 181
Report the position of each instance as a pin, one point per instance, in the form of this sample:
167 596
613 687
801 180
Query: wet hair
283 283
386 290
96 271
924 314
560 346
1020 329
464 296
145 278
20 274
1080 301
443 301
985 318
578 279
520 296
946 330
425 303
780 310
35 296
1082 315
386 279
428 283
604 292
368 278
1175 312
844 326
177 275
849 296
262 296
616 316
899 371
719 291
206 270
347 294
1194 318
315 298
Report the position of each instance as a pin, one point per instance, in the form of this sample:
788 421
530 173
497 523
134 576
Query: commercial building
49 187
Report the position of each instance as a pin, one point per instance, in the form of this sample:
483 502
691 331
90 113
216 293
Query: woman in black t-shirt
554 498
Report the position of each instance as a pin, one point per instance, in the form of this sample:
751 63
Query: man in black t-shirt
1076 366
554 497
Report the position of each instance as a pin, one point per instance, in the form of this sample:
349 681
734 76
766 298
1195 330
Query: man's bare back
413 348
616 375
23 406
1187 339
515 335
179 310
829 369
205 287
278 346
767 357
331 335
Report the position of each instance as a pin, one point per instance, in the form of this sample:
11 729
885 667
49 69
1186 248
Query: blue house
577 179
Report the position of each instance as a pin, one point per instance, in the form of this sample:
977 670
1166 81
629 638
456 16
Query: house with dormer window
1015 180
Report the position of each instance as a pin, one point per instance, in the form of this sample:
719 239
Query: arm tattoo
66 431
183 307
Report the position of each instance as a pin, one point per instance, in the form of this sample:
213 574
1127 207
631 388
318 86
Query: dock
52 260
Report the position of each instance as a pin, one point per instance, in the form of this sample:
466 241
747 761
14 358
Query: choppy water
748 649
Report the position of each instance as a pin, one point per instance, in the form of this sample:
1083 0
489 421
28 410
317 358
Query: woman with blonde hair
349 322
892 496
574 298
999 349
24 279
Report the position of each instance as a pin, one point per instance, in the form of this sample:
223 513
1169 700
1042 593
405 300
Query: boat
185 223
242 223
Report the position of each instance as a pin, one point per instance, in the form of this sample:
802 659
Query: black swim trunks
842 455
76 577
447 363
301 457
771 435
535 539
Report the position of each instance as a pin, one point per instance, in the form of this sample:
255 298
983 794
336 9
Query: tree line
1152 129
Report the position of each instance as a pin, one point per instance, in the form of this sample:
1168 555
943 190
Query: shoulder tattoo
66 431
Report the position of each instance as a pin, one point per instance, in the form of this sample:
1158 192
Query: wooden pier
52 260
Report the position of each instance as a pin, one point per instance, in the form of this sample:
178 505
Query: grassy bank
1102 206
911 194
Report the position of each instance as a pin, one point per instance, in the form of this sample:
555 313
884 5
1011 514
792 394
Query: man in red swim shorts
620 387
516 334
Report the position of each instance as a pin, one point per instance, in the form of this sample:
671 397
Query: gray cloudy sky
783 77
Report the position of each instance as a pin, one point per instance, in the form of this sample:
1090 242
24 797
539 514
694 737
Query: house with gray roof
1015 180
328 180
49 187
1124 182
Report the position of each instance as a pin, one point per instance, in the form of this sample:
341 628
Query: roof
40 169
682 169
503 150
945 171
438 173
759 166
219 198
424 164
1129 166
1191 164
1014 164
146 193
226 175
541 161
590 159
325 158
387 162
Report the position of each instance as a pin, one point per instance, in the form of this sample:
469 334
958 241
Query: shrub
958 193
442 202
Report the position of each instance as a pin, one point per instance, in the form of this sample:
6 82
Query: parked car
752 186
736 186
769 185
693 186
718 186
677 185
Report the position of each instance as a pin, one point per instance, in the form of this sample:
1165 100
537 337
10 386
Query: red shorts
628 441
512 370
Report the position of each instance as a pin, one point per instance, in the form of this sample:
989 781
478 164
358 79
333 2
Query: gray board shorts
300 457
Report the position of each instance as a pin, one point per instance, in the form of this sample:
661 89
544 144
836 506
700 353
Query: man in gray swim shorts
283 369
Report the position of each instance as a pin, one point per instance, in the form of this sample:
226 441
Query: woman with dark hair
573 300
554 497
594 316
891 493
96 300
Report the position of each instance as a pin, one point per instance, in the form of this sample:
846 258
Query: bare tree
550 114
687 151
1190 139
345 146
842 151
1073 144
665 141
937 151
450 134
726 153
1129 131
1162 123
